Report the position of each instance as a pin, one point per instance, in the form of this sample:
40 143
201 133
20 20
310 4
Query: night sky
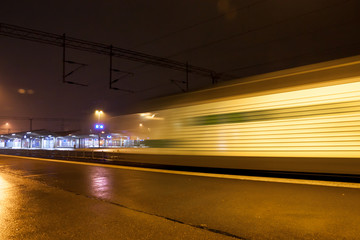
237 38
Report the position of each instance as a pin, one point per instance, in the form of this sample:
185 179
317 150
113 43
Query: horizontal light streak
240 106
345 121
313 153
236 140
325 120
255 150
322 121
277 114
270 130
272 134
345 92
261 145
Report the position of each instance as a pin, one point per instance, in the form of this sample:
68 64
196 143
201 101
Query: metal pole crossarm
80 65
122 74
176 82
123 90
83 45
125 74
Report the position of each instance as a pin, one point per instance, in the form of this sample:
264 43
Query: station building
44 139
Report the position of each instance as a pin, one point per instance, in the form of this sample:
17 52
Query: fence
88 155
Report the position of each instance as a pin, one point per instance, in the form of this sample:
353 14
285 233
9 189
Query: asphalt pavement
43 199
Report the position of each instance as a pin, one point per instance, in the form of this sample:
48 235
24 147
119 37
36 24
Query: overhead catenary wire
100 48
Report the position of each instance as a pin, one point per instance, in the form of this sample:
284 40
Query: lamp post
99 112
8 127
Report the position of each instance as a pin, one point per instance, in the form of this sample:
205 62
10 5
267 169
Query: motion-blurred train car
305 119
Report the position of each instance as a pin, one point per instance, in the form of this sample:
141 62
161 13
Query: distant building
44 139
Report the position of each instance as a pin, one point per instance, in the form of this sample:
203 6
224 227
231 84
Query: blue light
99 126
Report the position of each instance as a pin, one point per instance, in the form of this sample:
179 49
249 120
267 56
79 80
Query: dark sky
239 38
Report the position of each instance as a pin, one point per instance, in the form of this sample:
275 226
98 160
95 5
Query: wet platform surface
57 200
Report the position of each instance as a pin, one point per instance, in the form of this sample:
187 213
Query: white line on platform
213 175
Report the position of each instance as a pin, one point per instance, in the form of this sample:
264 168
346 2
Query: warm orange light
99 112
313 122
4 185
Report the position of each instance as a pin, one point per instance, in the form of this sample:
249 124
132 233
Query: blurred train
305 119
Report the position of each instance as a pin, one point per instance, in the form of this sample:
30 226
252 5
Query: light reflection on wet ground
4 185
10 206
101 182
4 196
31 210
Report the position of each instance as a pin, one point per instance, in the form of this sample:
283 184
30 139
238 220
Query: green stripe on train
278 113
160 143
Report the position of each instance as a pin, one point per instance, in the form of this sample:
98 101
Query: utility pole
100 48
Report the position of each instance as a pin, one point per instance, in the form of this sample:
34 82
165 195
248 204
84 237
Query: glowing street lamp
99 112
6 126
